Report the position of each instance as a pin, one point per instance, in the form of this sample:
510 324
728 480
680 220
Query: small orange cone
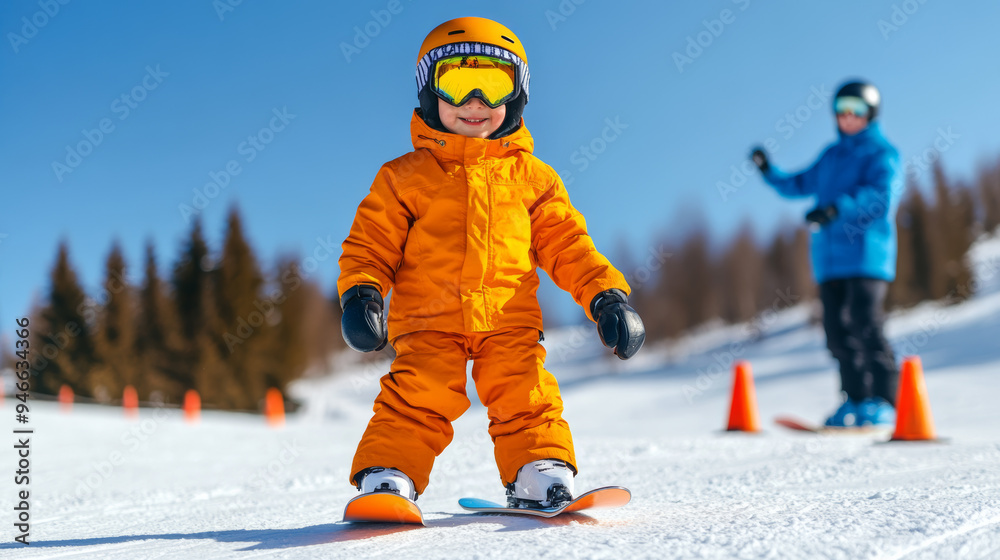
192 406
913 409
65 398
130 402
743 416
274 408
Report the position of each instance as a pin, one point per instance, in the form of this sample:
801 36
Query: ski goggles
456 79
853 105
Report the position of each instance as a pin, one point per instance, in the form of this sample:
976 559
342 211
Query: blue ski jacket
862 176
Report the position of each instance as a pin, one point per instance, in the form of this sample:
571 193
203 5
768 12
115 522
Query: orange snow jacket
457 227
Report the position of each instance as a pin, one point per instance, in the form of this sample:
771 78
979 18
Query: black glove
822 216
618 324
759 157
363 323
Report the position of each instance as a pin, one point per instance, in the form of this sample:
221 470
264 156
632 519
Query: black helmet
864 91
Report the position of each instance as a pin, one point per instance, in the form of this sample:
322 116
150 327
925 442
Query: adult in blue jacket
857 183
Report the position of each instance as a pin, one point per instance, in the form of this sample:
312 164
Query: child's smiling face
474 118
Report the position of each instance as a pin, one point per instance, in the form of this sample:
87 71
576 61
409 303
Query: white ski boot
381 479
541 484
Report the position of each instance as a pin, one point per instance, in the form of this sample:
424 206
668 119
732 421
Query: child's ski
382 507
803 426
606 497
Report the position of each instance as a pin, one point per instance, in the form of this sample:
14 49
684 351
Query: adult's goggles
457 79
853 105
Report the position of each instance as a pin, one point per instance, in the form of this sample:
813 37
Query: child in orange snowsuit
456 229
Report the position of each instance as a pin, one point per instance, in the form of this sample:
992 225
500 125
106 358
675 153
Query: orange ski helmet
472 36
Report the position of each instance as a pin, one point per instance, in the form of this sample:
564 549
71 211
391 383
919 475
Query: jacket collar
455 147
872 132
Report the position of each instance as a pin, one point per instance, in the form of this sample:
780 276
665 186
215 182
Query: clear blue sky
207 83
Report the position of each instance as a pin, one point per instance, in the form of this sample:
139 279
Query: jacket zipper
435 140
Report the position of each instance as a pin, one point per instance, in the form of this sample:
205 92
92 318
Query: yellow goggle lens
458 78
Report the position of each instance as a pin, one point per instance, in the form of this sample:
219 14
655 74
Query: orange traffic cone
192 406
65 398
130 402
743 416
913 409
274 408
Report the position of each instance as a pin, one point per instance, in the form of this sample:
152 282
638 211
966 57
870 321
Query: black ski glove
363 323
618 324
822 216
759 157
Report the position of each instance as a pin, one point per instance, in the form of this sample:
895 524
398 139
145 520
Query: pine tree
903 292
740 279
803 284
988 182
930 281
655 301
778 271
952 220
201 366
288 354
695 292
63 342
157 339
968 229
244 316
116 359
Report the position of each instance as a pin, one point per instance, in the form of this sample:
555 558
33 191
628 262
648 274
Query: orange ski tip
611 497
384 507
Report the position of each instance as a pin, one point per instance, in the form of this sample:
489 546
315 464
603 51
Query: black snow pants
853 317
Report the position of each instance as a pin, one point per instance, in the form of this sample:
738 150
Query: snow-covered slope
104 487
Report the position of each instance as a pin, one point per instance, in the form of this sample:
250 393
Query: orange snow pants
424 393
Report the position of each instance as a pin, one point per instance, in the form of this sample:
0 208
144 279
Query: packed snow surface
232 487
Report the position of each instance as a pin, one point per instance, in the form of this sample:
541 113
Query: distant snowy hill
230 487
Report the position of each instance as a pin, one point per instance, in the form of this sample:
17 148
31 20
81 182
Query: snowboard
382 507
803 426
606 497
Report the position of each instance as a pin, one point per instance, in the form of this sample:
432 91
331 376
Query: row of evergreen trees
218 325
697 285
222 326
